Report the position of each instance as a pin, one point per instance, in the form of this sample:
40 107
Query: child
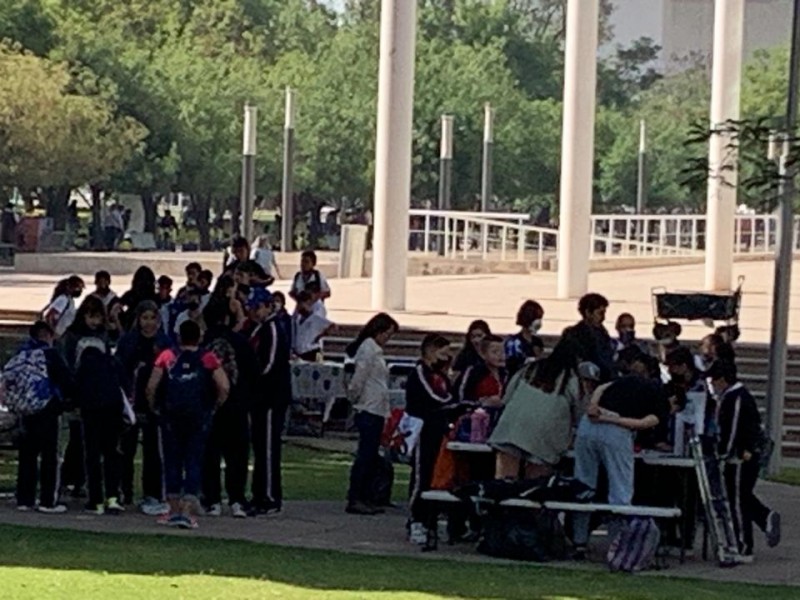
193 270
428 398
308 273
526 345
741 443
164 291
193 312
60 313
99 383
484 383
308 328
204 286
195 384
230 435
137 352
102 282
282 316
39 431
240 253
267 414
317 303
265 257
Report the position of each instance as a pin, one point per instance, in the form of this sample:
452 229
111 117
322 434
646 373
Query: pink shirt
166 360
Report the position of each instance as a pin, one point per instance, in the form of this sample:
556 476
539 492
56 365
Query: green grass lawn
789 475
308 474
37 563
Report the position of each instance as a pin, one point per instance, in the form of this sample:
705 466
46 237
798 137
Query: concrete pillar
722 160
287 189
577 147
393 154
248 196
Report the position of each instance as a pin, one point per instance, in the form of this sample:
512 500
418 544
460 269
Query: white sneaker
113 507
215 510
418 534
58 509
24 508
238 511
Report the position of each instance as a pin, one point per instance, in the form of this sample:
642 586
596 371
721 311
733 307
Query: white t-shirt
299 284
265 258
106 300
64 307
306 332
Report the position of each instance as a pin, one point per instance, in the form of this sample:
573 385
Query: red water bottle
479 427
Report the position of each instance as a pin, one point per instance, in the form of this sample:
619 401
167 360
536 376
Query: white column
393 154
577 148
722 160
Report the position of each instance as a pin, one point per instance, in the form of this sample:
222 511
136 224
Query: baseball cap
589 370
258 296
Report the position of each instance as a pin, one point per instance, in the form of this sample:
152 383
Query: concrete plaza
449 303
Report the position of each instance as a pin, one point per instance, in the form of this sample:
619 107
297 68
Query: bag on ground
26 383
530 535
634 548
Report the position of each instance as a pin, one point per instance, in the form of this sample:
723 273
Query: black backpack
188 386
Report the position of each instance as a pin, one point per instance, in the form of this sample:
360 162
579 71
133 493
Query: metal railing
481 236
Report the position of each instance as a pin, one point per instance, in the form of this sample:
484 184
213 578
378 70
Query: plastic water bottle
479 427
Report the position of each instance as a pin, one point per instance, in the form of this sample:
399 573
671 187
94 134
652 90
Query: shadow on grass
154 555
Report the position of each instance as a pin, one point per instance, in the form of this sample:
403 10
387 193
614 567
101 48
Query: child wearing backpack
36 379
308 273
100 384
194 384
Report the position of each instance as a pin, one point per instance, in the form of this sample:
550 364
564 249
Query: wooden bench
442 497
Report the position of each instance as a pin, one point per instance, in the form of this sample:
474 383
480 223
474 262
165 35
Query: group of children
604 397
195 378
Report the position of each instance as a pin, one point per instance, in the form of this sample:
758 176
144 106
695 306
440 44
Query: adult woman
369 393
525 345
137 352
535 428
470 353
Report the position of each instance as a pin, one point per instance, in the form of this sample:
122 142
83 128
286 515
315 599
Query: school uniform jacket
272 350
739 422
428 396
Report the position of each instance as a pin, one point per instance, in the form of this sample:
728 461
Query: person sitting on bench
606 437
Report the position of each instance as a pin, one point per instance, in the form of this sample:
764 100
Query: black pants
425 455
39 440
362 473
266 426
101 438
746 509
73 469
229 439
152 459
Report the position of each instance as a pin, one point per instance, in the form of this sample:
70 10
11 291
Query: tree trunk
149 206
57 199
202 215
97 217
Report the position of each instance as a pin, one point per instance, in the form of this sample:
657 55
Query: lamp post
248 171
641 191
287 189
446 163
776 384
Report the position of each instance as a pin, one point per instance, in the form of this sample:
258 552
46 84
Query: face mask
77 293
535 326
193 306
626 337
440 365
667 341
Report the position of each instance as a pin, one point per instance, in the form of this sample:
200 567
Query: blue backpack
634 548
27 384
188 386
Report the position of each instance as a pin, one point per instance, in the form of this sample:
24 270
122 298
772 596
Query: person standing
268 410
591 337
265 257
103 291
39 431
741 444
60 313
369 393
526 345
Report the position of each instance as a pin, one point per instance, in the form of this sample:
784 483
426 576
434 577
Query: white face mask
535 326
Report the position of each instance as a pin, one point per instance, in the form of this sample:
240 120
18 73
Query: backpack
520 535
223 349
26 382
188 385
634 547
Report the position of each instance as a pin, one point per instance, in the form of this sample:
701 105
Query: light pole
393 153
776 385
287 189
488 147
641 191
248 171
446 163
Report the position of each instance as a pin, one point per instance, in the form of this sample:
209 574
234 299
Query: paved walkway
450 303
324 525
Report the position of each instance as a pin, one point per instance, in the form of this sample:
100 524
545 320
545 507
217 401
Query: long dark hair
562 361
143 284
91 305
64 285
378 324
